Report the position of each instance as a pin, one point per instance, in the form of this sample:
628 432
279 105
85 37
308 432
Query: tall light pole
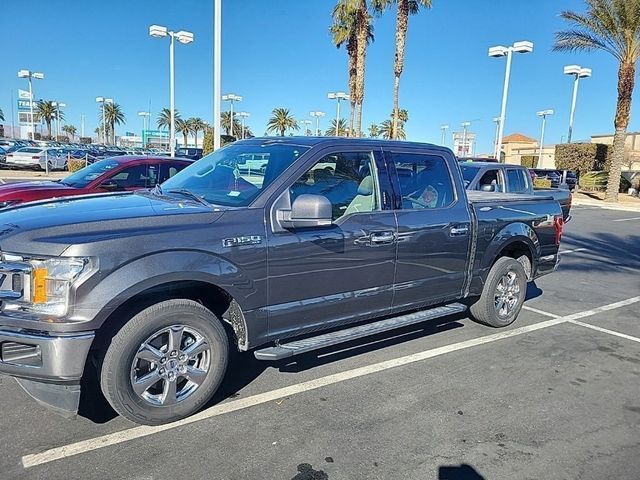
338 96
217 70
496 120
103 100
242 116
39 76
500 51
145 119
578 72
58 106
443 129
542 114
318 116
465 126
231 97
307 123
184 37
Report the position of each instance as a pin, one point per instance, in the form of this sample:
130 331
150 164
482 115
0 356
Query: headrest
366 186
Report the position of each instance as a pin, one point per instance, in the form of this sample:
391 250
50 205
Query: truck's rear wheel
503 294
165 363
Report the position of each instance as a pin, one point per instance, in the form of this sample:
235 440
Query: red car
108 175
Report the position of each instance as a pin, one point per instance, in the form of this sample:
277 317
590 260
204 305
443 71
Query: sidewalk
30 175
596 199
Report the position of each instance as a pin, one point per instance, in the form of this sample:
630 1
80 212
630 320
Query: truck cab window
425 181
346 179
491 181
517 183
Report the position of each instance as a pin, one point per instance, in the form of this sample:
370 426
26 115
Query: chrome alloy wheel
507 294
170 365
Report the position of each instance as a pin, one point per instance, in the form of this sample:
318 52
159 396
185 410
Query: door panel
434 230
321 277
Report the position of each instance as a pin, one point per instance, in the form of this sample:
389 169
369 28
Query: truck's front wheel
165 363
503 294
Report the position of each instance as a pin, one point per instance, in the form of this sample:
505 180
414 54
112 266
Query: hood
50 227
13 191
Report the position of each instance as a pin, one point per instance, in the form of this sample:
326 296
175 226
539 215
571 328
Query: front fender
97 298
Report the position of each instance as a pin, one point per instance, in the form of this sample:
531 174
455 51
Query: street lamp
158 31
58 106
338 96
242 116
443 129
578 72
39 76
217 68
231 97
145 118
542 114
496 120
500 51
307 123
318 116
103 100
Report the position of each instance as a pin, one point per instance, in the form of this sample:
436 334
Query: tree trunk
362 37
626 81
352 52
402 23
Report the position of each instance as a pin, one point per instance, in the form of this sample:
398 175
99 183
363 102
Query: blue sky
278 53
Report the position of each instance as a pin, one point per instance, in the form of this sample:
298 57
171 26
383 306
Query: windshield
86 175
234 175
468 173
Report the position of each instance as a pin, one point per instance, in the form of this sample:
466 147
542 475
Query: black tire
485 309
117 370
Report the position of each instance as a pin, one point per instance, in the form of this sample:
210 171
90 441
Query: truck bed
476 196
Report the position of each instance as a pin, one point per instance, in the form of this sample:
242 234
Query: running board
326 340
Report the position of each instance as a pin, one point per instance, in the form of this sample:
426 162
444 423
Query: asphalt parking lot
556 395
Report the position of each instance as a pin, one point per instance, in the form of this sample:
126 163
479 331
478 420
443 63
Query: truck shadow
603 252
245 369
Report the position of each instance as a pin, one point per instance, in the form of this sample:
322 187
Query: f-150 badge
243 240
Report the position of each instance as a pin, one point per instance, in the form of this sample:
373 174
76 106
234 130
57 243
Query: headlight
47 287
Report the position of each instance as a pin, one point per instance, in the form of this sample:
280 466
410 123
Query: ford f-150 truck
335 239
501 177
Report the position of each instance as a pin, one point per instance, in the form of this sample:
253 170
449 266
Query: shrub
207 142
597 181
541 183
529 161
85 140
583 157
74 165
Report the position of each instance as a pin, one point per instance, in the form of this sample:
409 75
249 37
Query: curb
605 206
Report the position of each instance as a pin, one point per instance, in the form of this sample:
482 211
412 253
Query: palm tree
352 27
45 110
281 121
183 127
70 130
1 115
197 125
225 123
374 131
343 130
405 8
164 119
612 26
113 115
386 130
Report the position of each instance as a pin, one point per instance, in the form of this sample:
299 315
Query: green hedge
597 181
74 165
583 157
207 142
529 161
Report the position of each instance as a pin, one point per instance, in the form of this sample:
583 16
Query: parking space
445 399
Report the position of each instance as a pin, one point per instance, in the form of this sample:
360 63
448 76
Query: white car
37 157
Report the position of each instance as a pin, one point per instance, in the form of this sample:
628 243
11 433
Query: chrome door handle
382 237
458 231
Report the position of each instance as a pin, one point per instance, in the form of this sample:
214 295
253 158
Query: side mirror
487 188
307 211
110 185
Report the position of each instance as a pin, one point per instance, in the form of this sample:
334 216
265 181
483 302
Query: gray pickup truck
508 178
335 239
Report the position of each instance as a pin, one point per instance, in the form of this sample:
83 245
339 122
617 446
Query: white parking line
92 444
626 219
540 312
564 252
605 330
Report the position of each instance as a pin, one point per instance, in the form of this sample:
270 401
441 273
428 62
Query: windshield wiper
190 194
157 190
